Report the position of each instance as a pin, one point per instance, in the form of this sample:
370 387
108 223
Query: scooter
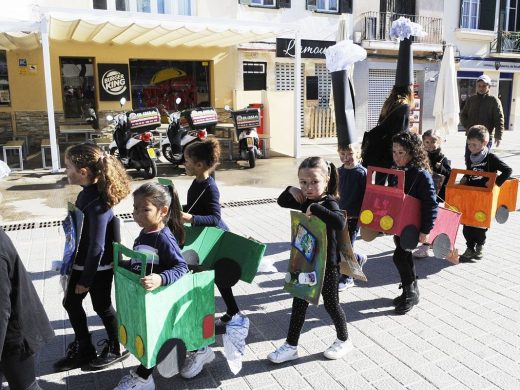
133 141
186 127
246 122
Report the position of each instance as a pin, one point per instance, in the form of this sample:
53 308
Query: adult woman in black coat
24 326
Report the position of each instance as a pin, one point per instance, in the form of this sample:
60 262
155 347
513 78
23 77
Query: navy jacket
352 185
419 184
205 210
95 245
435 157
24 326
327 209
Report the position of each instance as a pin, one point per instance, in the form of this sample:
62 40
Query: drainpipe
297 93
44 24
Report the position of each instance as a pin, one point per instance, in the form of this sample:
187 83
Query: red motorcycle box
144 119
200 117
246 118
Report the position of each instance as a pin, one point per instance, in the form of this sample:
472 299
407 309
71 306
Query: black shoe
410 299
78 354
479 252
397 300
109 355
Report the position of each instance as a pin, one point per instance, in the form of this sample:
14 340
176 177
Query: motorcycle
132 140
185 128
246 122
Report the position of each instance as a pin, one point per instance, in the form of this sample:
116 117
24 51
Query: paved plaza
464 333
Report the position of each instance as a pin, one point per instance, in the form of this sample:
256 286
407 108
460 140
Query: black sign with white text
310 48
114 82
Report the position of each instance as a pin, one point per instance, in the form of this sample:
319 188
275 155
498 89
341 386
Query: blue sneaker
345 282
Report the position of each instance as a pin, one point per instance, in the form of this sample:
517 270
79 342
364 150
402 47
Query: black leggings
229 300
18 370
404 263
331 301
100 293
474 236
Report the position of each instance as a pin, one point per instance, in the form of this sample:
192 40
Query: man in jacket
484 109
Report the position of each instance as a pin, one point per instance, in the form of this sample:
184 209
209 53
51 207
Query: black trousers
229 300
474 236
331 301
18 369
404 263
100 293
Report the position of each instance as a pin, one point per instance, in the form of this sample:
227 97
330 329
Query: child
203 209
155 212
410 156
480 159
24 326
352 184
104 184
319 185
440 165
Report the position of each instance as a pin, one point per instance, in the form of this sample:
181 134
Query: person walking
483 109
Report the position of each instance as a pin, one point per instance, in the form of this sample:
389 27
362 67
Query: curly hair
207 151
399 95
412 143
328 169
161 196
106 171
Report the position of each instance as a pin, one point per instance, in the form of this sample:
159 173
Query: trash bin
259 129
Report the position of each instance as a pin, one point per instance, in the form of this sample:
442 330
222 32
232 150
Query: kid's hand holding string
151 282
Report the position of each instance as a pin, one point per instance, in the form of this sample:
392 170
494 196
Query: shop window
78 87
5 97
160 82
255 76
477 14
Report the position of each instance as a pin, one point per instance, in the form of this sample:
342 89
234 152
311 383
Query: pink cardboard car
390 211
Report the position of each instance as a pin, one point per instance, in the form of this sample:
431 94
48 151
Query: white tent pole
48 93
297 93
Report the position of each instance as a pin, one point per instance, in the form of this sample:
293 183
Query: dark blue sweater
95 245
205 210
163 252
352 184
491 163
419 184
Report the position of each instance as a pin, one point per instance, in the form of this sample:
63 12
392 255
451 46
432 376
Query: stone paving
464 333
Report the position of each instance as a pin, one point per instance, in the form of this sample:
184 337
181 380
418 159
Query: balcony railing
376 26
506 42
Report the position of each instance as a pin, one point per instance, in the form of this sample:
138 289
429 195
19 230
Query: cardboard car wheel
409 237
171 357
502 214
441 246
368 234
227 272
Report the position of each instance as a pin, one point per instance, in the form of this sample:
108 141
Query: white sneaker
338 349
195 362
422 252
346 283
135 382
283 354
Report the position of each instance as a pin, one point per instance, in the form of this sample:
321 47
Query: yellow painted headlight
366 217
386 222
139 346
122 335
480 216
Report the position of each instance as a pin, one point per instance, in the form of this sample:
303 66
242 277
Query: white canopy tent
121 28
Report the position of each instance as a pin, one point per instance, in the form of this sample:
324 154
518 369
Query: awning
122 28
19 34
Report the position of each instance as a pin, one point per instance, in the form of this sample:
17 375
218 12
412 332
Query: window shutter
284 3
311 5
345 6
487 15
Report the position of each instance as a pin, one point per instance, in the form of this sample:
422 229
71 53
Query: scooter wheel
252 158
150 171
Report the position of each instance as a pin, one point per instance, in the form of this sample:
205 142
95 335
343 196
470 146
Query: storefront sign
309 48
113 81
482 64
